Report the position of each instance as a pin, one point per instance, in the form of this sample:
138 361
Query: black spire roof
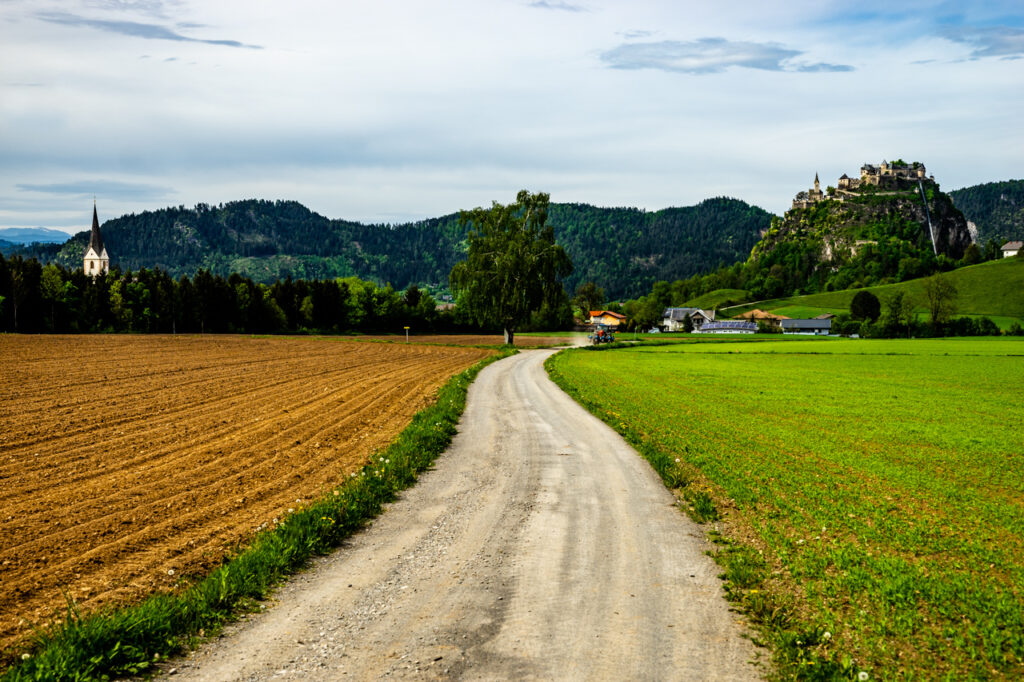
96 240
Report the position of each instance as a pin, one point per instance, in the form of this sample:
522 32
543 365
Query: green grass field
869 489
994 290
715 299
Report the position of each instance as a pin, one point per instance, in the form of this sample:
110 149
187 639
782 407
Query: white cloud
710 55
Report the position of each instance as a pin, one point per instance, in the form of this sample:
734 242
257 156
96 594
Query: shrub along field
869 494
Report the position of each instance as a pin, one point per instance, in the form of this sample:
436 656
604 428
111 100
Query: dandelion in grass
25 657
862 676
170 571
827 636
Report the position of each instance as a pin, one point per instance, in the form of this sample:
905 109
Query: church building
96 261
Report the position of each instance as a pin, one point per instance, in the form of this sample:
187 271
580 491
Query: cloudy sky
395 110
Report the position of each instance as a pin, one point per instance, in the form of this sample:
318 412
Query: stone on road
540 546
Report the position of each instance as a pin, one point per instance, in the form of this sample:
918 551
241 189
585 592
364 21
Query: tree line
51 298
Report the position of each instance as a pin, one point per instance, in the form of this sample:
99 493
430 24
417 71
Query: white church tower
96 261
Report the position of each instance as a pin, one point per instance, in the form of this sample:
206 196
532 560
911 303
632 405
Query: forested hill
624 250
996 208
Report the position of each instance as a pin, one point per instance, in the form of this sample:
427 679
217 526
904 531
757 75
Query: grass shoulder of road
868 492
130 641
990 290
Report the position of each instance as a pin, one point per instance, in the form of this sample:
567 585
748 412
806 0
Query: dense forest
625 249
996 208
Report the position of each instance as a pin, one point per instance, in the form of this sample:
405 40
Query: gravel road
541 546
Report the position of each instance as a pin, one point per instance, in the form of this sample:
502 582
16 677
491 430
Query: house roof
602 313
1013 246
730 324
806 324
825 316
758 314
679 314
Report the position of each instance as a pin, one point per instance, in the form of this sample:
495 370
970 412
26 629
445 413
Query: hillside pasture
876 488
131 464
717 298
994 290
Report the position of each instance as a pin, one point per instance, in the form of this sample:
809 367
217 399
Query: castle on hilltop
886 176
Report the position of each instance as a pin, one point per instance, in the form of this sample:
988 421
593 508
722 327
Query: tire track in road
540 547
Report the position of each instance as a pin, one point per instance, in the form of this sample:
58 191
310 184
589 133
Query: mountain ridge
623 249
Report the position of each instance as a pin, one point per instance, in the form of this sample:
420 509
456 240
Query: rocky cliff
864 234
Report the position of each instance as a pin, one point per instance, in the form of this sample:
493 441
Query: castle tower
96 261
815 194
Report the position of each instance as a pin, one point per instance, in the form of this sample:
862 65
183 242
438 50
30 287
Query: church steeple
817 185
96 261
96 240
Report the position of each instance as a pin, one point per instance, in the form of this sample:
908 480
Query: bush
865 306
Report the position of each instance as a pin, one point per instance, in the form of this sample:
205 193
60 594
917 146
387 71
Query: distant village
703 322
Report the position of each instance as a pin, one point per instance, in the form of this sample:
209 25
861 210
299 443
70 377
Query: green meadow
868 495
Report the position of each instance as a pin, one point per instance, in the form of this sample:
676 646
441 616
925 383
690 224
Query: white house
672 319
96 261
1011 249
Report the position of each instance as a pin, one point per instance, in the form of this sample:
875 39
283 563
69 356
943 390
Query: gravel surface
541 546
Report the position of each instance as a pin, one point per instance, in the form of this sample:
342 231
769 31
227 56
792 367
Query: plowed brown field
130 462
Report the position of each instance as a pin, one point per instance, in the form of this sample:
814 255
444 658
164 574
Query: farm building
814 327
672 319
1011 249
729 327
606 317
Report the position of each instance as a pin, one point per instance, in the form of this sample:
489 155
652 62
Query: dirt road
540 547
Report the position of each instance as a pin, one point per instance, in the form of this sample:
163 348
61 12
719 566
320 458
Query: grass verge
799 650
870 491
130 640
